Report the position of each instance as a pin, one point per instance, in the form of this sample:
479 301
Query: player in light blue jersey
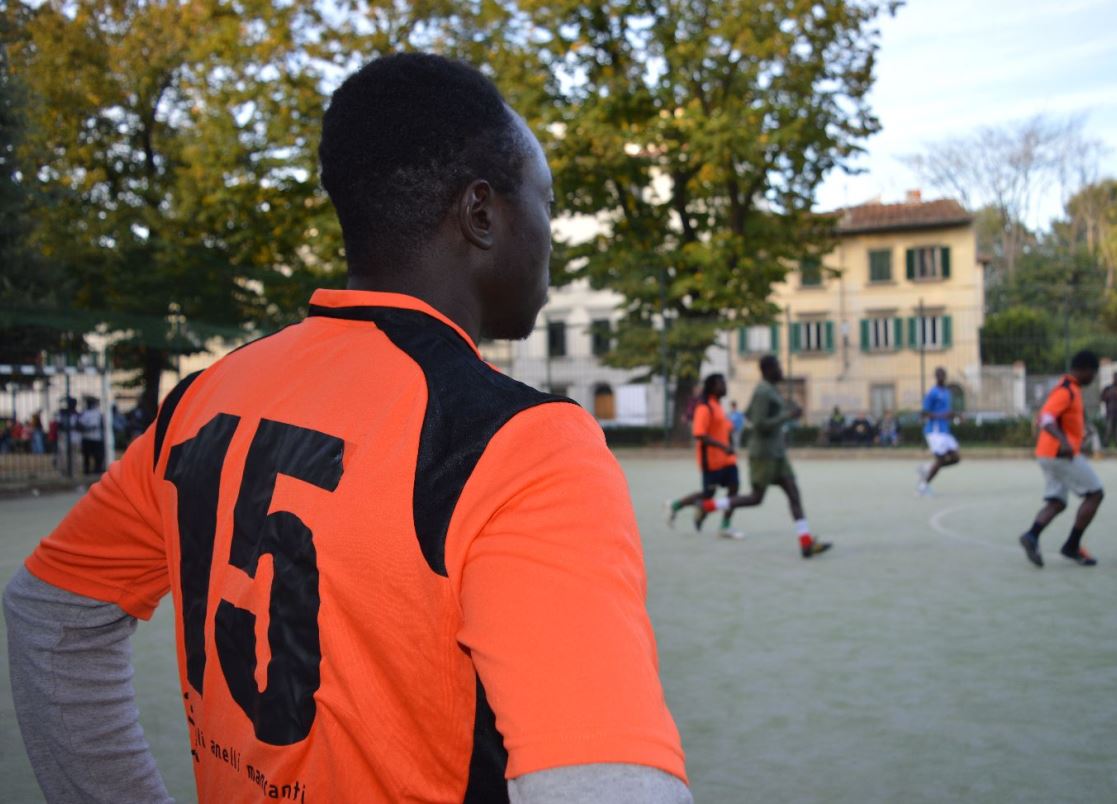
938 410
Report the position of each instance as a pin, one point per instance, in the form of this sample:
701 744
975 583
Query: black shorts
726 476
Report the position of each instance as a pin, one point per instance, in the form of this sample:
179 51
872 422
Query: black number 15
283 713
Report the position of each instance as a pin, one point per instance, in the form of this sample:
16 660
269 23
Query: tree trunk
680 427
153 362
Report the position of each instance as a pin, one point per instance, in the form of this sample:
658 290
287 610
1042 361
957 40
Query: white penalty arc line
936 525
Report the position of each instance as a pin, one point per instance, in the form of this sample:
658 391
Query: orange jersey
1064 405
388 586
710 420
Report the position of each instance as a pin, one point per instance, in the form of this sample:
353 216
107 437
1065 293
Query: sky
947 67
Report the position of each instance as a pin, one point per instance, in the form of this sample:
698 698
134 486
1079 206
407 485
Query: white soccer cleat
924 489
731 534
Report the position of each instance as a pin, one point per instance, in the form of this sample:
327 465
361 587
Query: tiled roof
877 217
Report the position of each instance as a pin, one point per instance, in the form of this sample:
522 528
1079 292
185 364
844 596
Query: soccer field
922 660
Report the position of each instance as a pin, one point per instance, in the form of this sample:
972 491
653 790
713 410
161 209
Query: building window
881 334
880 265
810 272
812 336
927 263
757 340
556 339
601 336
558 389
882 399
931 332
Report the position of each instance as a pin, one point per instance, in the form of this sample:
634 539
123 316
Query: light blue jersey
937 401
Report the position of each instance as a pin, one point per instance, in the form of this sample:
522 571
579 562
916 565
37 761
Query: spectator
68 432
1109 400
38 437
92 437
737 419
861 431
889 430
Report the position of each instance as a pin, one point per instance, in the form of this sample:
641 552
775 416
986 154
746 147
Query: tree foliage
175 153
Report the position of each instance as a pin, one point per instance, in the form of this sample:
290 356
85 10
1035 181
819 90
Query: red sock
805 541
708 506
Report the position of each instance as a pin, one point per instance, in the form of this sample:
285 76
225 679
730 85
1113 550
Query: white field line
936 522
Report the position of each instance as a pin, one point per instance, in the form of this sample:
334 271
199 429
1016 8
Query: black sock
1036 530
1074 541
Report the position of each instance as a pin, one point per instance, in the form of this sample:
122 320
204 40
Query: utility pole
920 328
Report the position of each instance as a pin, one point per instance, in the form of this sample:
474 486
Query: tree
1008 169
697 133
1018 333
1092 221
176 143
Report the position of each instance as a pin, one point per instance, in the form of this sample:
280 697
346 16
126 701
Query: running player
769 413
717 459
938 410
1065 469
387 586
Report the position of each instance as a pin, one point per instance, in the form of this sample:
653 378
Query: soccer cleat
924 489
1082 558
1031 548
816 547
727 533
670 511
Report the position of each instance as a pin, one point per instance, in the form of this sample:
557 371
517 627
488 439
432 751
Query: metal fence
58 423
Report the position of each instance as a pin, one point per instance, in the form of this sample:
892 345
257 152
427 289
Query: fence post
68 420
109 442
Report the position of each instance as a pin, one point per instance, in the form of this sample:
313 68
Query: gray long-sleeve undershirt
71 673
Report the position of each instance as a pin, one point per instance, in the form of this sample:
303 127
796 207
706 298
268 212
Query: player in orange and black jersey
387 587
1062 422
717 458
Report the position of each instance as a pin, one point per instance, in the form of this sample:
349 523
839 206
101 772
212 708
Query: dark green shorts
764 472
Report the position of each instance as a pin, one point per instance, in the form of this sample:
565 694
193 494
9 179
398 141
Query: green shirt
768 412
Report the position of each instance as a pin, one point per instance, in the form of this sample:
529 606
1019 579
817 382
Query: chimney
914 197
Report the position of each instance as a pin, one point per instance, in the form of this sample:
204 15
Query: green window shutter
742 340
944 261
829 329
913 333
947 332
775 339
897 334
864 334
911 263
795 334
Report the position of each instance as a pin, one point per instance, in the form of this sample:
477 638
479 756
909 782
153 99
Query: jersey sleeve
1058 402
545 556
110 545
701 424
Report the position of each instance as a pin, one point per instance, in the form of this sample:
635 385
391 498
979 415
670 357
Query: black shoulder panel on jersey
467 403
167 411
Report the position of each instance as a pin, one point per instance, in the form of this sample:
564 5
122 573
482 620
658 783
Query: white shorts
942 443
1063 475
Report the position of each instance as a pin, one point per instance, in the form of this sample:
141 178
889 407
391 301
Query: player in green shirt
768 413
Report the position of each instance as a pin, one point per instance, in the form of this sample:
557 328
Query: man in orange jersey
717 459
387 586
1065 469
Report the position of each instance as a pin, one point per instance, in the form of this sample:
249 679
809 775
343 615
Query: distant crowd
70 432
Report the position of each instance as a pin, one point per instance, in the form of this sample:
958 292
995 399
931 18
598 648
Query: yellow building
901 294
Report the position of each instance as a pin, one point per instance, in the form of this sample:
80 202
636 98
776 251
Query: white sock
721 504
801 528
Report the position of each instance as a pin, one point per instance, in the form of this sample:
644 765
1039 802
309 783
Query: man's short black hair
401 138
767 363
1085 360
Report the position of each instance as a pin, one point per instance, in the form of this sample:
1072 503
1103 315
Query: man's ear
475 214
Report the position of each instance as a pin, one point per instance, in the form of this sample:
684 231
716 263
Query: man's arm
71 675
545 557
713 442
